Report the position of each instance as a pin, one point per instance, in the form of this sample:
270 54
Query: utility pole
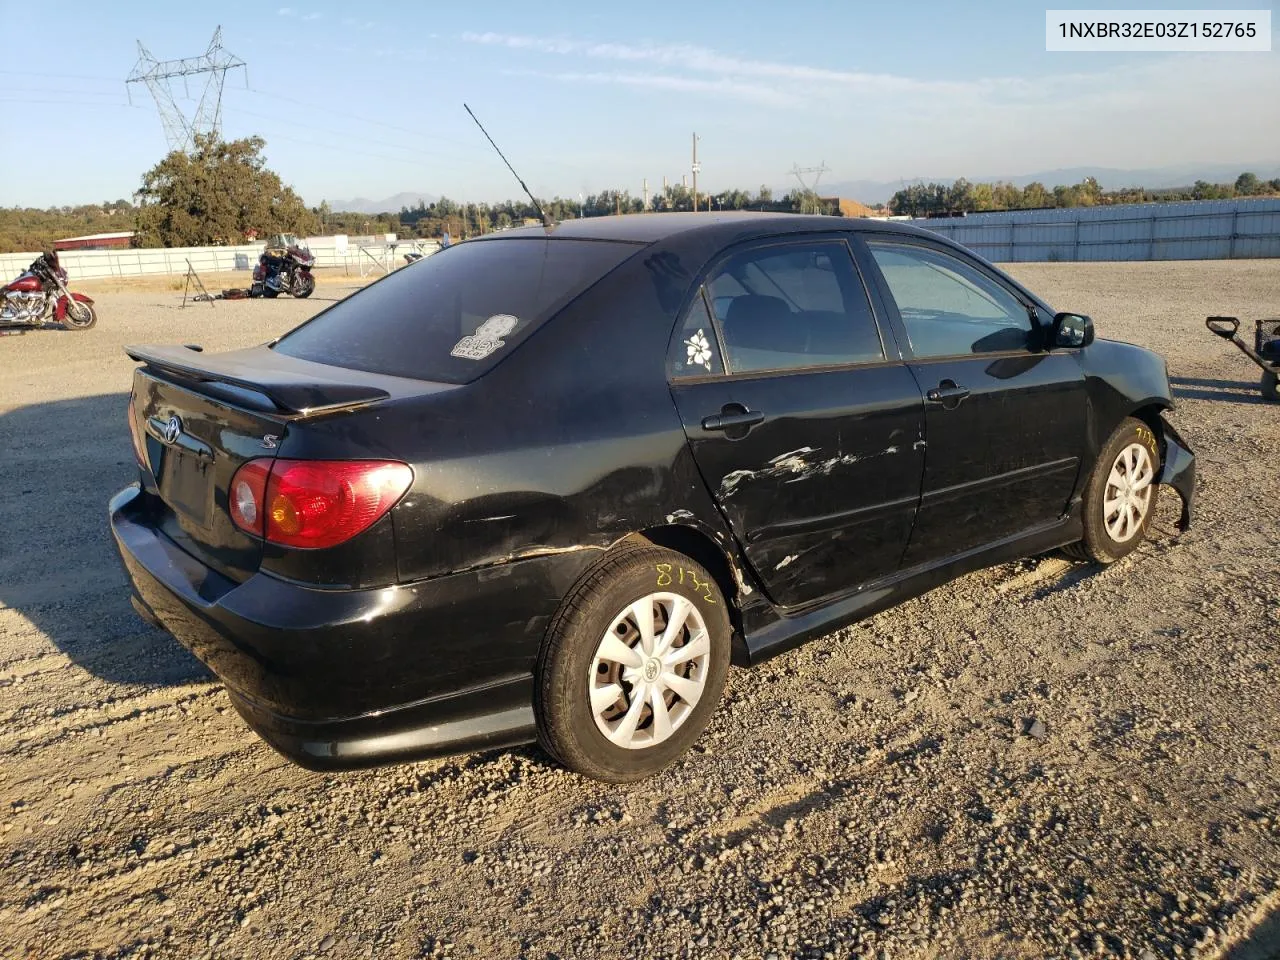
646 194
695 173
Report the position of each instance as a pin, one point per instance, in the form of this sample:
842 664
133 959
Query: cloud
286 12
313 16
697 59
724 87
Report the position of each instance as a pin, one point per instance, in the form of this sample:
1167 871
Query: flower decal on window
699 350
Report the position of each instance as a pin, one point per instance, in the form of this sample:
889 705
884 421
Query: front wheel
633 665
1120 497
304 286
1270 389
79 315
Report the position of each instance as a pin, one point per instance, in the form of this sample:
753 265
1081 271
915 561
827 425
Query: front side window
948 307
793 306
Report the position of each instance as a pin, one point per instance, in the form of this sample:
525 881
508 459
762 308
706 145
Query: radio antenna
546 221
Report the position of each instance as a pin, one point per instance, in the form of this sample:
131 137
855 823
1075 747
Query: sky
365 100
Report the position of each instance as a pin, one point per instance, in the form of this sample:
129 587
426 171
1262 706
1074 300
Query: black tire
1098 544
1270 385
69 322
304 286
567 727
269 293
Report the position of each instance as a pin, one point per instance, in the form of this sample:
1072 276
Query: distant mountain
1181 175
389 205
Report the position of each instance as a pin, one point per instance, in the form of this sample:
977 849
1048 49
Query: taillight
314 503
139 449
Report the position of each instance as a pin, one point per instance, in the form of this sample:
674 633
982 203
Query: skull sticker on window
487 338
699 350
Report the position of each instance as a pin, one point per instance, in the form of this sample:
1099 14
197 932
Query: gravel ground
873 794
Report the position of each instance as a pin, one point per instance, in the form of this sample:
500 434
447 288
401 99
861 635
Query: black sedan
550 483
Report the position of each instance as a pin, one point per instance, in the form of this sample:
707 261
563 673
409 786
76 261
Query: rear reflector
247 495
314 503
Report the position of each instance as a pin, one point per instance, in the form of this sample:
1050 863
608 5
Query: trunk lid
200 418
193 445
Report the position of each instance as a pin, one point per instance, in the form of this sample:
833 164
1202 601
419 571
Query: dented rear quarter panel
570 444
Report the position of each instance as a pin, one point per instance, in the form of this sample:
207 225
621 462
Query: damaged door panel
805 427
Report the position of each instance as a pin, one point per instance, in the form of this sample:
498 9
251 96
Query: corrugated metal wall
1193 230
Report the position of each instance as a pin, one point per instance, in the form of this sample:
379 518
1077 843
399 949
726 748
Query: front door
1004 418
801 416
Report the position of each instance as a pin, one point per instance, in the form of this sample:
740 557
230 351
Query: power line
346 134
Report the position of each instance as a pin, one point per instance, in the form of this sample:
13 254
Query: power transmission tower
158 76
801 172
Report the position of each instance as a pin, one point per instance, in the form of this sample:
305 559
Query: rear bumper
350 678
1179 471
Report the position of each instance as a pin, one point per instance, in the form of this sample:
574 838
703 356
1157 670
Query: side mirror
1072 330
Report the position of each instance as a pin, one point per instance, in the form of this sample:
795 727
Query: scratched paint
798 465
786 561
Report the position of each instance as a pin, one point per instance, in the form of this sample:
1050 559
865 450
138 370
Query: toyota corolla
550 483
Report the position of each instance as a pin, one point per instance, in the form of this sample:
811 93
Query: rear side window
694 351
795 305
453 315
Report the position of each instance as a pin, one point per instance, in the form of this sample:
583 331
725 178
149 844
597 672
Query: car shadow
58 565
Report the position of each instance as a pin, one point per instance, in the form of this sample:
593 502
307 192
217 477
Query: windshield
453 315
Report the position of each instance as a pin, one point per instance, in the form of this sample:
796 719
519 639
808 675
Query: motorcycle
284 267
39 293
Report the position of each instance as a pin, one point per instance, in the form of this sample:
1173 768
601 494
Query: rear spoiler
291 385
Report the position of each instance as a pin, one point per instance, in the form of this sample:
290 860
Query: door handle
733 417
948 393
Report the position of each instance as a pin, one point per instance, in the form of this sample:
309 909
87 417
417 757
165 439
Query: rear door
1004 418
802 418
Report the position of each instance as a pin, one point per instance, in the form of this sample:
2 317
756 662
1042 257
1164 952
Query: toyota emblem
172 429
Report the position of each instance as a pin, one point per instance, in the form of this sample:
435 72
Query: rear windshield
453 315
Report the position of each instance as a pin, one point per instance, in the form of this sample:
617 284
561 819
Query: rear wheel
633 665
1120 497
79 315
1270 387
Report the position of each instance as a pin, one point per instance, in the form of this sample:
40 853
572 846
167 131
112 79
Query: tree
1248 185
214 195
960 196
982 197
1034 195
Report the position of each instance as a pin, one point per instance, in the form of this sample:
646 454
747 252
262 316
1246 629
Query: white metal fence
357 255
